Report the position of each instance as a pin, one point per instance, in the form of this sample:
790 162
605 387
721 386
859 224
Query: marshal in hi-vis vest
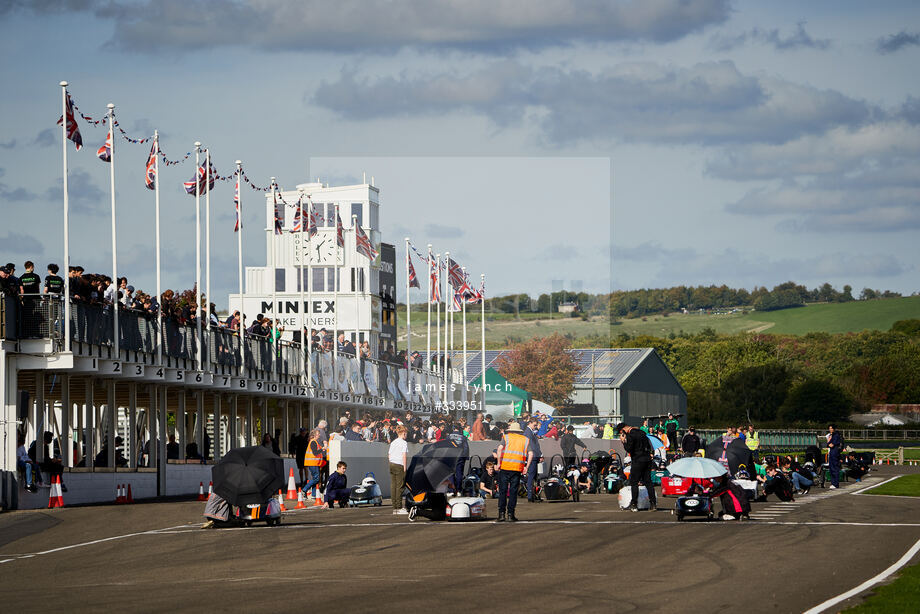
752 440
514 452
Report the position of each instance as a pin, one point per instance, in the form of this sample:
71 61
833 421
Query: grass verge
904 486
902 595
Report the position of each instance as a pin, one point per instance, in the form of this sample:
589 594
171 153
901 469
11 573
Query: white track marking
95 541
868 583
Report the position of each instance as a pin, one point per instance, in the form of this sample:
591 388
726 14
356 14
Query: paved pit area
587 556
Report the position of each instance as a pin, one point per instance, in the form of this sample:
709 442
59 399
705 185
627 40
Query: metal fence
226 353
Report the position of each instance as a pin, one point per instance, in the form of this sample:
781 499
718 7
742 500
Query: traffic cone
281 501
119 498
300 504
130 497
56 497
210 489
201 495
292 487
317 499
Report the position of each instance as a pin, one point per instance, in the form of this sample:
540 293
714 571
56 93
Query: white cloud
489 26
710 103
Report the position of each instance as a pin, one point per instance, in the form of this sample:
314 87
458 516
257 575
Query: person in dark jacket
690 443
337 487
639 449
568 443
531 433
834 449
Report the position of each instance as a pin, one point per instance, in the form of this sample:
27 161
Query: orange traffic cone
119 498
130 497
292 487
281 501
317 498
56 497
300 504
210 488
201 495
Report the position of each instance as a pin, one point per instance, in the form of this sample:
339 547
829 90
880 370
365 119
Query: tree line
651 301
781 380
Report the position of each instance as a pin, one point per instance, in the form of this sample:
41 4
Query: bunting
72 130
363 244
128 138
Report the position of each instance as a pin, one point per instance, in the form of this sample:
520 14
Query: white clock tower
316 283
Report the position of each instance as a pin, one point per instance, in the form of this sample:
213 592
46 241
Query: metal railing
93 324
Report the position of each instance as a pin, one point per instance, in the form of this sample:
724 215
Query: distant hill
854 316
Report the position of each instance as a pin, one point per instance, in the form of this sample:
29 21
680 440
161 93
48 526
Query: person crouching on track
337 487
639 448
584 481
488 485
514 457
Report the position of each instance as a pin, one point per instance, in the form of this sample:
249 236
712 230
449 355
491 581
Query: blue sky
696 141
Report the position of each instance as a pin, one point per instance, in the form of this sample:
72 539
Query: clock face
322 250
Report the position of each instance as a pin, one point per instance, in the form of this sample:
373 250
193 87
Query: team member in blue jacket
337 487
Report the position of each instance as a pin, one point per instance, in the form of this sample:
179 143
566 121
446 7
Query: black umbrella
433 465
732 453
248 475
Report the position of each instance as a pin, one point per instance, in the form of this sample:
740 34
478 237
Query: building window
330 211
357 209
330 278
279 280
319 275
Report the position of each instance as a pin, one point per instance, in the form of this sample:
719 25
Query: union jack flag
435 283
312 223
363 244
205 181
279 213
236 203
413 278
73 130
457 302
298 215
339 229
104 153
151 175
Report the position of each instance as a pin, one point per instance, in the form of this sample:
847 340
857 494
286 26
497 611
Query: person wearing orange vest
313 460
514 458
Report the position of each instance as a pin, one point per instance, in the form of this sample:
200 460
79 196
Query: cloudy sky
612 144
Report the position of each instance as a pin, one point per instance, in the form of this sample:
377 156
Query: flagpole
335 293
207 252
274 274
67 345
305 317
482 347
239 264
408 326
198 254
354 224
447 300
115 343
156 197
463 303
428 334
437 364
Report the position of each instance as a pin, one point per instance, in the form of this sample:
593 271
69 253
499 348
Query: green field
855 316
904 486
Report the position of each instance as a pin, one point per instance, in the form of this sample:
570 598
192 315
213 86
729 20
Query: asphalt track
562 557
